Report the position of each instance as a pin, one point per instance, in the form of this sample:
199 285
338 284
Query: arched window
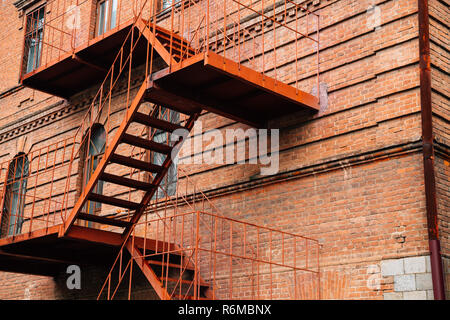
169 183
96 149
14 203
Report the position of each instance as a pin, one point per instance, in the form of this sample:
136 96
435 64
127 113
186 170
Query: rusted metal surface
428 151
56 192
45 253
196 255
232 29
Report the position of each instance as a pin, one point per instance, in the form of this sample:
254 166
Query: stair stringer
107 156
147 271
159 177
105 159
156 44
151 276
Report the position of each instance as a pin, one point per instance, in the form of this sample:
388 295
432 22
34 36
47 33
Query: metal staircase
169 270
209 70
157 172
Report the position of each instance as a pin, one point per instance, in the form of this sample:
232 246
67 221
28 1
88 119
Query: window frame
107 25
29 36
90 161
13 223
170 181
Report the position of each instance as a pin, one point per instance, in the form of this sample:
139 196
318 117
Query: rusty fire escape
159 69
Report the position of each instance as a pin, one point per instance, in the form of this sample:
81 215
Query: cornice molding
41 121
23 4
338 163
83 101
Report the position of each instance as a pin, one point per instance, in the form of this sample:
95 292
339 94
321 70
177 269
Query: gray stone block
424 281
415 265
405 282
415 295
428 263
430 295
392 267
393 296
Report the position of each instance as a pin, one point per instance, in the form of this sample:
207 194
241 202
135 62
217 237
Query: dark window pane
96 150
33 39
13 210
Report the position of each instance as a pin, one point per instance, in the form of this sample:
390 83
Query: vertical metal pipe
428 151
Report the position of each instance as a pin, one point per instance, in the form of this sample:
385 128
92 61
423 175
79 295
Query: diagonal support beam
147 271
106 158
199 100
89 64
157 45
159 177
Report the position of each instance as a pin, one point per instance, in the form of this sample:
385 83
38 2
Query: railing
245 32
58 27
39 189
253 33
235 259
200 25
33 188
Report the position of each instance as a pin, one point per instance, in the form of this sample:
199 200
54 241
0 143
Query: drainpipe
428 151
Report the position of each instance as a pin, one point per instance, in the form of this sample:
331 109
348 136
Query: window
169 183
14 203
106 16
33 39
94 154
165 4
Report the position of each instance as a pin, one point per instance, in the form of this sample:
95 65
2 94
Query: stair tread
127 182
178 47
156 123
202 283
103 220
134 163
146 144
113 201
162 250
171 265
175 38
162 33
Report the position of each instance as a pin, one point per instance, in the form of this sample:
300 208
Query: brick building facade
351 175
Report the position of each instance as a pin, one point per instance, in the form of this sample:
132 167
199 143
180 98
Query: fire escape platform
211 82
87 65
204 81
43 252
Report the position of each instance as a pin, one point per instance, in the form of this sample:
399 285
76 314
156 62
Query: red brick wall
350 176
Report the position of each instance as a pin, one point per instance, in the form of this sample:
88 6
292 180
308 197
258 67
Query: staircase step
113 201
103 220
146 144
127 182
174 258
161 35
202 283
171 265
176 48
144 119
134 163
164 37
